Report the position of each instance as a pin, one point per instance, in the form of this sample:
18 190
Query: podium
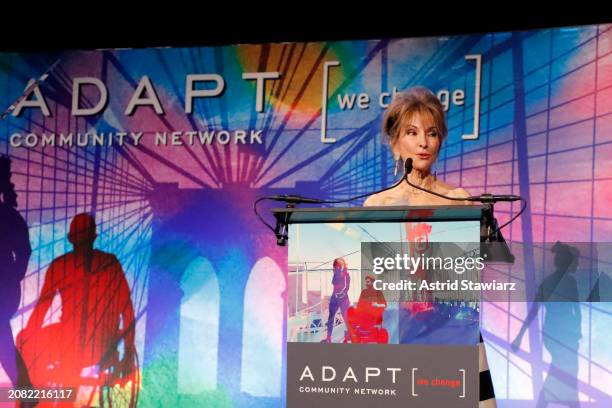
361 330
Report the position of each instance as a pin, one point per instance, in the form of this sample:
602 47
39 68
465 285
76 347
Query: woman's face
419 141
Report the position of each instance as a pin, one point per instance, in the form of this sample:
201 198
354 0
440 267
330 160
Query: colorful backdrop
529 113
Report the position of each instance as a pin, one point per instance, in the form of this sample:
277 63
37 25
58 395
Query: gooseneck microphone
297 199
292 199
483 198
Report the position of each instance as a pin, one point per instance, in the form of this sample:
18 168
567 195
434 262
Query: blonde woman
415 126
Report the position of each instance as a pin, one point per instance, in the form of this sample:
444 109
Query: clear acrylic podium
377 349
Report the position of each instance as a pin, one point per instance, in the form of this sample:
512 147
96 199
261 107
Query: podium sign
366 325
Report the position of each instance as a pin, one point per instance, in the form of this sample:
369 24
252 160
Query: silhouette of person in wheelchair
95 333
365 320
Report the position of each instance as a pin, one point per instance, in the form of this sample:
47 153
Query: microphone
407 169
280 231
494 198
296 199
483 198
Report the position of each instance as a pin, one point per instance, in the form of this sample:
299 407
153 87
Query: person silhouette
364 321
561 330
15 251
341 283
96 316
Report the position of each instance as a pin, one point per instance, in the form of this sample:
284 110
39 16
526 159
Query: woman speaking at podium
415 127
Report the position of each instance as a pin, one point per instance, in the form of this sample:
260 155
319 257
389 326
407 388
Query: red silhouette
365 320
96 318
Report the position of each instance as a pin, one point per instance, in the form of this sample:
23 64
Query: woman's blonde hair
418 100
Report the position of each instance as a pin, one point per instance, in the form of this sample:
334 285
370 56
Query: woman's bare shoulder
451 191
374 200
381 199
458 193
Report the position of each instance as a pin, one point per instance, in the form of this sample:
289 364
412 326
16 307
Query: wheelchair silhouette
365 324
